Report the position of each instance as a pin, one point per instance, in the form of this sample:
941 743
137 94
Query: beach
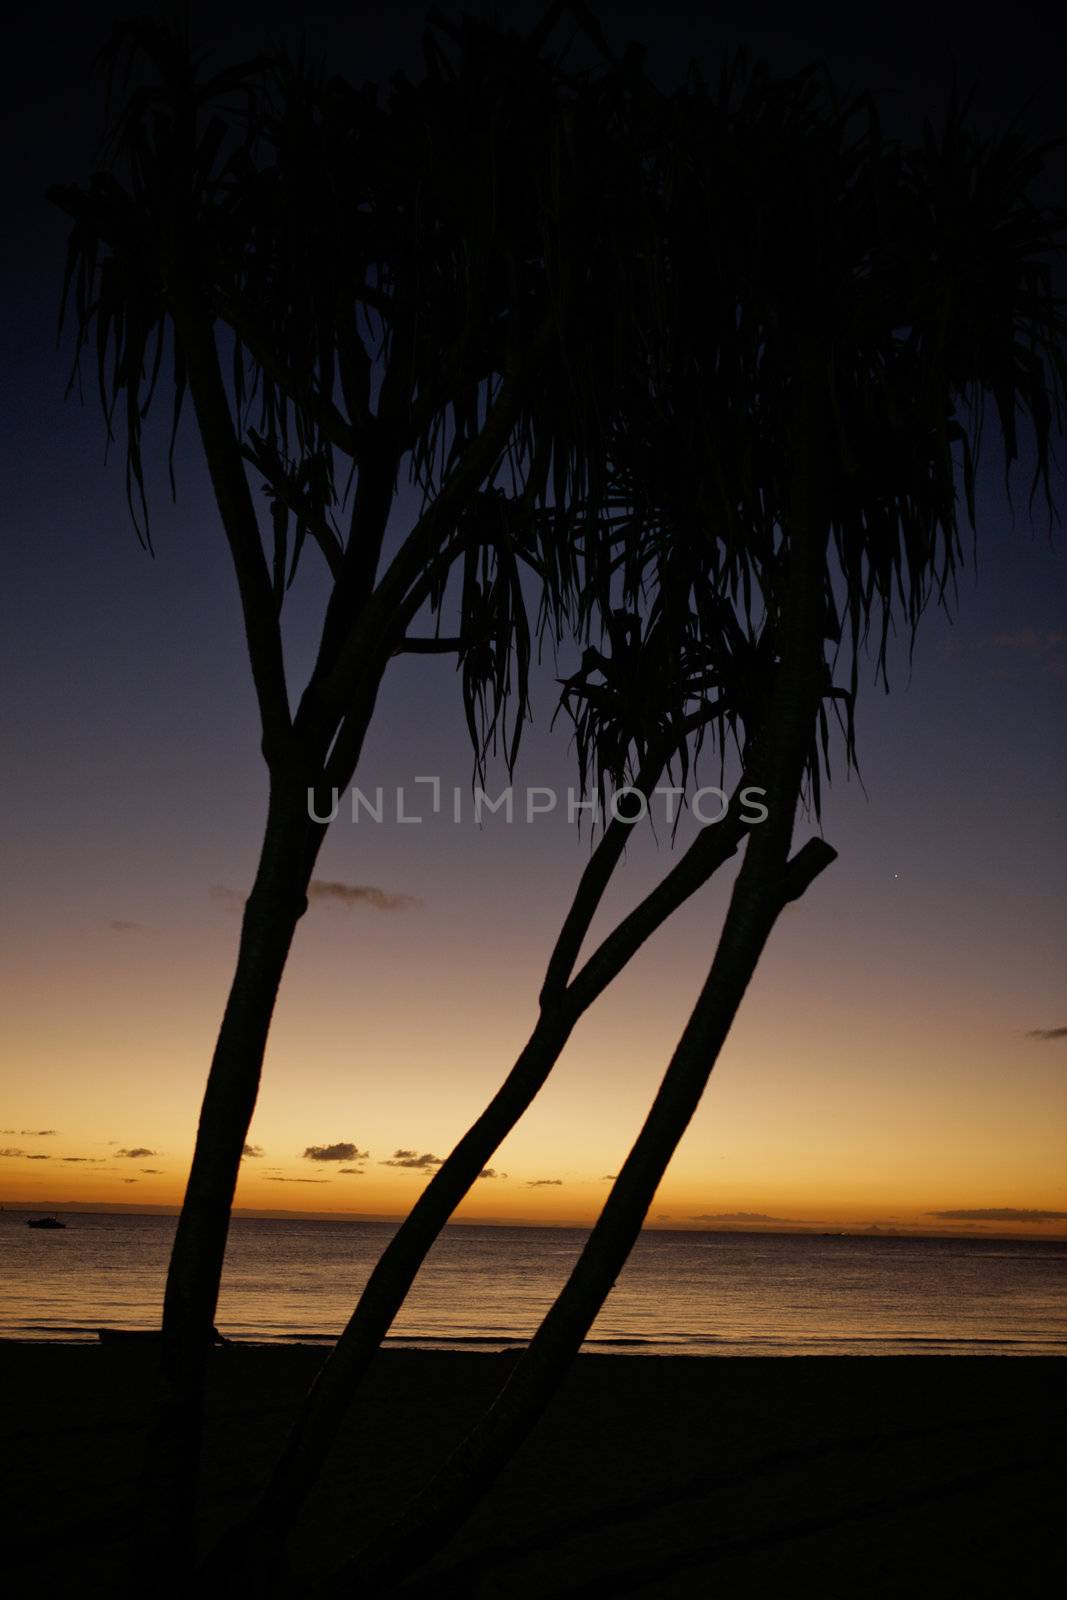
654 1476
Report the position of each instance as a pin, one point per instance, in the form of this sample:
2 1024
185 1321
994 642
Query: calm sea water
681 1293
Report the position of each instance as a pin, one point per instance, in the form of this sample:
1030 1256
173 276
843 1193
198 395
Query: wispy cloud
998 1214
543 1183
153 1172
491 1172
323 891
1024 648
353 1172
252 1151
137 1152
1047 1033
11 1150
297 1180
36 1133
38 1158
408 1158
121 925
228 899
342 1151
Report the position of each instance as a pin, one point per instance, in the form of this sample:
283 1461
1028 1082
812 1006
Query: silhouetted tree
844 308
632 678
389 285
634 708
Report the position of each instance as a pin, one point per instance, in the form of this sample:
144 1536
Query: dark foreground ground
651 1476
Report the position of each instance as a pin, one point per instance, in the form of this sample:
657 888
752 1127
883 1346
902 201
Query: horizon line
681 1225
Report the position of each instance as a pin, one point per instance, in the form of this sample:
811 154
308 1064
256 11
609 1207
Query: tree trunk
395 1272
275 905
436 1514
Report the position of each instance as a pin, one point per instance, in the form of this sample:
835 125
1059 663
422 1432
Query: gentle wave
488 1288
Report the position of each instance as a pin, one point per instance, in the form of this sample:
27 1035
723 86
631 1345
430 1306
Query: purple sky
134 783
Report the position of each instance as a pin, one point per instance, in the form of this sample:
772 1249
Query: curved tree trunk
435 1516
275 905
321 748
396 1270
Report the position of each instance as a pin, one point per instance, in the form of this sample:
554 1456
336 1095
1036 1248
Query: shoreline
910 1474
859 1348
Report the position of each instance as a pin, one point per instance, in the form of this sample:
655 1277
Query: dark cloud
130 1180
356 1172
93 1160
663 1216
36 1133
120 925
408 1158
153 1172
359 894
491 1172
738 1216
252 1150
609 1177
543 1183
335 1152
1047 1033
137 1152
38 1158
998 1214
297 1180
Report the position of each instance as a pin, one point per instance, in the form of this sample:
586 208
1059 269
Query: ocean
487 1288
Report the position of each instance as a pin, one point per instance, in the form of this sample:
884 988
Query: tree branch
283 488
324 699
330 421
234 499
802 870
602 864
710 850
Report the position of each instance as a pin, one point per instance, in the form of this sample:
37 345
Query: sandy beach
651 1476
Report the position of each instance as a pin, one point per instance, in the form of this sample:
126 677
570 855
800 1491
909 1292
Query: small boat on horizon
44 1222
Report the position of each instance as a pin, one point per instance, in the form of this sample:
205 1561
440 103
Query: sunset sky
901 1058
